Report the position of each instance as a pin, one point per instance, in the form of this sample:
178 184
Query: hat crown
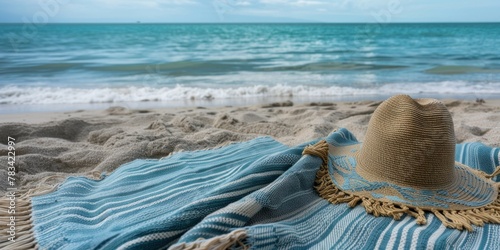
409 142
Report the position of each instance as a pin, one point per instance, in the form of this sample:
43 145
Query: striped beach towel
257 194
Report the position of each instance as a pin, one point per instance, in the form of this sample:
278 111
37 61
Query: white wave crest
62 95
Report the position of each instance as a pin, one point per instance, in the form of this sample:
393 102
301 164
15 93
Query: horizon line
302 22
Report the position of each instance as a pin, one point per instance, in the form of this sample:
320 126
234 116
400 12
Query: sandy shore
53 146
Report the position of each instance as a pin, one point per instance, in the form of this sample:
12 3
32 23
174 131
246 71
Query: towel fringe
24 237
457 219
225 241
42 188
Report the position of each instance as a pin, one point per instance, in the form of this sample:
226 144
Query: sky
210 11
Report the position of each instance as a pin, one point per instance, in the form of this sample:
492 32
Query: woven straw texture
409 143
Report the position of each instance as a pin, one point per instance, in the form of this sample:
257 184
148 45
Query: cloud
307 3
142 2
293 2
242 3
179 2
136 3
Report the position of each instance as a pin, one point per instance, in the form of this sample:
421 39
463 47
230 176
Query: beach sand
52 146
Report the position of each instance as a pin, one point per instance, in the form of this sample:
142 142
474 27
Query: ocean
68 66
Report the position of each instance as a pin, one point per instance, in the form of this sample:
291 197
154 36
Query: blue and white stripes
479 156
260 186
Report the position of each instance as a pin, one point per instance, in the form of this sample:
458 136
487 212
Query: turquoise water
111 63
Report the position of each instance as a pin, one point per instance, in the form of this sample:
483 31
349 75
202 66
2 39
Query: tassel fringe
24 235
319 149
24 232
456 219
217 243
495 173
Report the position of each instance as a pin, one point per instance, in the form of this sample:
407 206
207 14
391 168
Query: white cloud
135 3
294 2
308 2
180 2
242 3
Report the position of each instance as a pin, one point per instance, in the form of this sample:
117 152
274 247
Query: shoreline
101 110
27 109
54 145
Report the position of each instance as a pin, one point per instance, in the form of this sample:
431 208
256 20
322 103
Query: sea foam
67 95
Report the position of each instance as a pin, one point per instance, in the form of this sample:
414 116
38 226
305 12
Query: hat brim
469 189
472 198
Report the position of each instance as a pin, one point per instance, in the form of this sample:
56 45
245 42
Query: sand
52 146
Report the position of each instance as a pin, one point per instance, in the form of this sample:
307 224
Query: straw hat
406 166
